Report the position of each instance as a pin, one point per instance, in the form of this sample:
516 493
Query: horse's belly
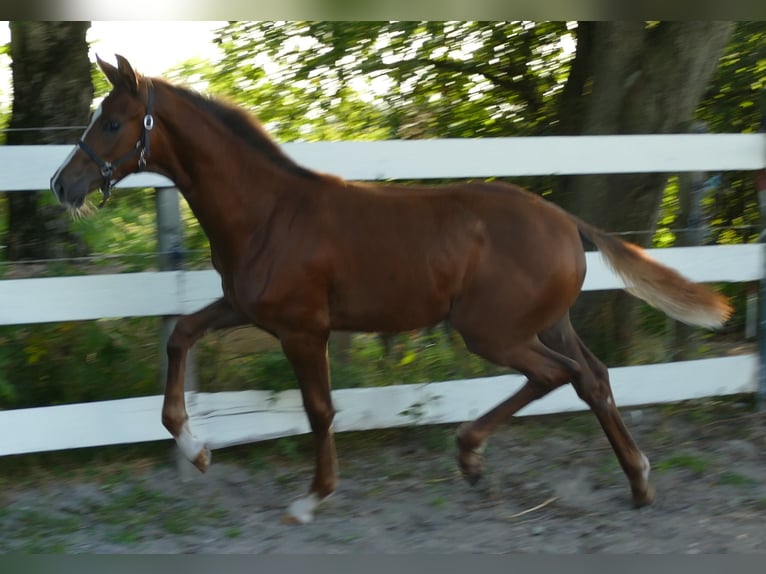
388 308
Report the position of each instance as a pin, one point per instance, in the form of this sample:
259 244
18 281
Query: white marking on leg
302 510
189 445
646 467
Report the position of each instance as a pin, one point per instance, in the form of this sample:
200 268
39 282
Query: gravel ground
552 485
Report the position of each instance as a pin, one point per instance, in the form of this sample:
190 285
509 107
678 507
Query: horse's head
115 144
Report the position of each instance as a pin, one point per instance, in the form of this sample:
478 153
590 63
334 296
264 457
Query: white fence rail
33 166
224 419
83 297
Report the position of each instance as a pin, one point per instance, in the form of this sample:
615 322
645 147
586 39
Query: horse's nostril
57 187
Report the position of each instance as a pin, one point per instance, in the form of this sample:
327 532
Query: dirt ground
552 485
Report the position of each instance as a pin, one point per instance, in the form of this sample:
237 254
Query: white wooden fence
224 419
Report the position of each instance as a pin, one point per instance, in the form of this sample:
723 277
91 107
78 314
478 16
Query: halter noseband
142 149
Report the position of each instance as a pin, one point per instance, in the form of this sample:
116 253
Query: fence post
760 185
692 188
171 258
760 180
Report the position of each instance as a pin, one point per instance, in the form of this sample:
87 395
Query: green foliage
101 86
72 362
374 80
693 462
125 230
664 236
415 357
738 480
735 102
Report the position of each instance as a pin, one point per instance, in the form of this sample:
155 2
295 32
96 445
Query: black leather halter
142 149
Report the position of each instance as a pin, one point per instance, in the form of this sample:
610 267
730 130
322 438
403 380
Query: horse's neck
231 210
230 201
231 187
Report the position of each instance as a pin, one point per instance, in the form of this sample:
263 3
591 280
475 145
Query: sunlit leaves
733 101
408 79
736 103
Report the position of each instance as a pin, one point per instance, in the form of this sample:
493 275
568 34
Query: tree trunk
630 78
51 88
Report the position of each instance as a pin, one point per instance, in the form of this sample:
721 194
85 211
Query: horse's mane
245 126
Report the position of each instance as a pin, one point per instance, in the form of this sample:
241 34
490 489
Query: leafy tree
5 50
628 78
735 102
51 87
433 79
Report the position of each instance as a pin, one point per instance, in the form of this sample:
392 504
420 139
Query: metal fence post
171 258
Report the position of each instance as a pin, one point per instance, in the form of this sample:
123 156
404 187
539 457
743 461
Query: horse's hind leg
188 329
307 353
559 356
593 387
545 369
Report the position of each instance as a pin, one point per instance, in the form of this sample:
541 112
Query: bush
73 362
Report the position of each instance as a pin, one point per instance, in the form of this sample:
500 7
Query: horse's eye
112 126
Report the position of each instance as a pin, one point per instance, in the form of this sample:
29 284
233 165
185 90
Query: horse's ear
110 71
127 73
122 75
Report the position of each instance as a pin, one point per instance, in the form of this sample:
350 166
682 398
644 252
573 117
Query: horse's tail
658 285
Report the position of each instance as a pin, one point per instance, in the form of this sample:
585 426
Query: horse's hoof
202 460
470 460
472 479
644 498
471 467
301 511
291 520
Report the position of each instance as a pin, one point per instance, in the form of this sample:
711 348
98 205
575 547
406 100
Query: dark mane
245 126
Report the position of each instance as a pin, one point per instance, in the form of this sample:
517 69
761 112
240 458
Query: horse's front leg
307 354
188 329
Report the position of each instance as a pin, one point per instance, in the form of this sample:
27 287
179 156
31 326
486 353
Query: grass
130 514
375 490
695 463
133 513
736 479
35 532
137 512
609 473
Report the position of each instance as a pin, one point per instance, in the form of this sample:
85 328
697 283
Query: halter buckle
106 170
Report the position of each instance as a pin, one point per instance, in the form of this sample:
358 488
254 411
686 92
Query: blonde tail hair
657 284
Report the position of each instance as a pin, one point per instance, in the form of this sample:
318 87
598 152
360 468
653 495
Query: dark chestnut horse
302 253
